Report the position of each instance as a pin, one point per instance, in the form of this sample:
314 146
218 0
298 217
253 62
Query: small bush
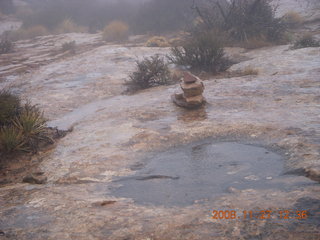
116 31
9 107
157 41
6 46
150 72
292 19
68 26
305 41
69 47
203 52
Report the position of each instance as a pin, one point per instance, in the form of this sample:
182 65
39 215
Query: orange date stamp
260 214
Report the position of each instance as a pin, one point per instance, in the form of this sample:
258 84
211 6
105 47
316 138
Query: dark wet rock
193 89
189 78
35 178
143 178
104 203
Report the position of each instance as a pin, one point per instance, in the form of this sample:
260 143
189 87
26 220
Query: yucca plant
12 140
32 124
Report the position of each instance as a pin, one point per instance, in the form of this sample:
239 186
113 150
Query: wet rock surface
277 110
203 170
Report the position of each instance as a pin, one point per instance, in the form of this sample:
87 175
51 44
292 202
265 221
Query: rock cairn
192 88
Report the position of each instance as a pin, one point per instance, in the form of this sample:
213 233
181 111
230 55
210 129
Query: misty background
143 16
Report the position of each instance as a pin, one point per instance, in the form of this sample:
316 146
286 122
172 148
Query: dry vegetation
307 40
116 31
250 71
292 19
157 41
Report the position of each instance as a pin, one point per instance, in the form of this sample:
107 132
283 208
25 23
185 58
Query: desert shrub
250 71
6 46
29 32
149 72
157 41
242 19
203 52
22 127
69 47
68 26
9 107
11 140
307 40
292 19
116 31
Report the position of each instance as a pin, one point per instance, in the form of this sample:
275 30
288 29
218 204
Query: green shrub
9 107
203 52
150 72
11 140
22 128
6 46
69 47
305 41
32 124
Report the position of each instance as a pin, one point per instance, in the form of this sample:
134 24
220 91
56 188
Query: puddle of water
205 170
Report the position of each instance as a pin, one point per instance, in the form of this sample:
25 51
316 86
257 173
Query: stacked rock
192 88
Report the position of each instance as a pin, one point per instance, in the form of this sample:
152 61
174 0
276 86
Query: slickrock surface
277 109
